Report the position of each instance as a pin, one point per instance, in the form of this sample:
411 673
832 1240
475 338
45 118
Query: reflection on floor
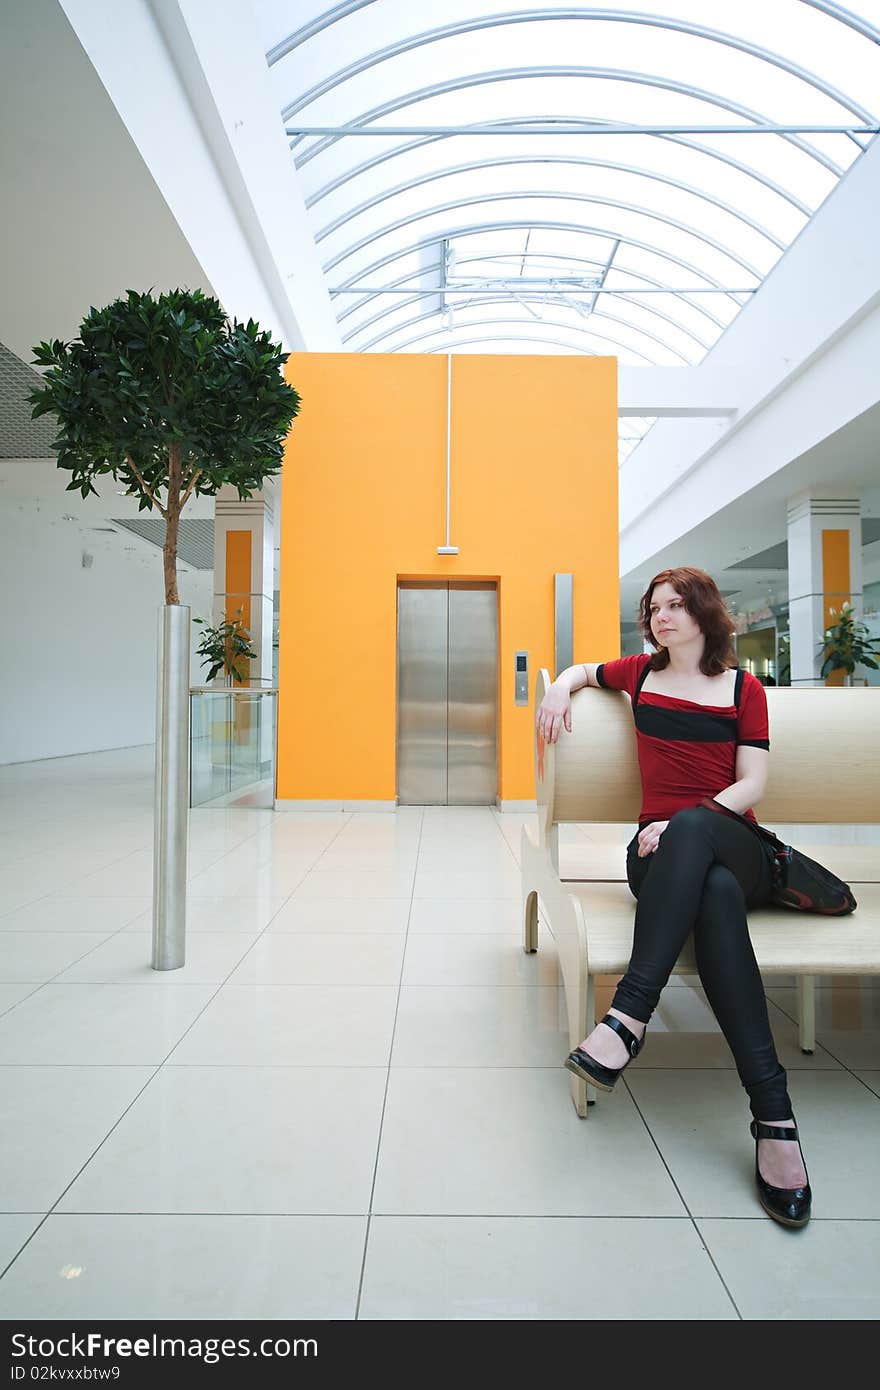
350 1101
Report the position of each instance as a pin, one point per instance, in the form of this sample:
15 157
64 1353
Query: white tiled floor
350 1101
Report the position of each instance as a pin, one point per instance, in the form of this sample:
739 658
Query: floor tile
41 955
479 1026
551 1269
21 886
247 915
260 1133
870 1079
260 852
120 880
345 1026
826 1273
606 833
125 959
699 1121
379 832
474 959
222 880
240 1140
90 1024
60 914
469 859
465 915
684 1033
847 1022
460 839
10 995
345 915
334 959
370 859
226 1268
356 884
507 1141
52 1119
467 883
14 1231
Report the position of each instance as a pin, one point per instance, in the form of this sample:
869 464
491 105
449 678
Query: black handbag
798 881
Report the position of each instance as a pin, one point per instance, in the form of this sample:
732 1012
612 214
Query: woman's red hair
703 601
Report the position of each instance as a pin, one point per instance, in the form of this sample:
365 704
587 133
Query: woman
701 727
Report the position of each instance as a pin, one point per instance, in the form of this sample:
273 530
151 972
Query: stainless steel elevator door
447 679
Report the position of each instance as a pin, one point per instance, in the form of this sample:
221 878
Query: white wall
79 644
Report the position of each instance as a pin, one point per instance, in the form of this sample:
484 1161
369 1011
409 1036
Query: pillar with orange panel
244 553
824 572
533 457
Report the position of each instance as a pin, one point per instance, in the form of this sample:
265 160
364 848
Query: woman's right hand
553 712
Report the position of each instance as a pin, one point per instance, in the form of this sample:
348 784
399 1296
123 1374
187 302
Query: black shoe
788 1205
588 1069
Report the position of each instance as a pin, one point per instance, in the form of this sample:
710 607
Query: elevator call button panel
521 679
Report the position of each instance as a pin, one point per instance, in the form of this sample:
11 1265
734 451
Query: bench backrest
824 758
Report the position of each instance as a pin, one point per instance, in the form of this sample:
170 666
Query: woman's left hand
649 837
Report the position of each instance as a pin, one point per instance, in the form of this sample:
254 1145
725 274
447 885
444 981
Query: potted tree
848 644
225 647
169 397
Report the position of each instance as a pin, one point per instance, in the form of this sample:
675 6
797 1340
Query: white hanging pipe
448 549
583 128
448 439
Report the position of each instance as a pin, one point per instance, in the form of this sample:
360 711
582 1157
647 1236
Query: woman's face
671 623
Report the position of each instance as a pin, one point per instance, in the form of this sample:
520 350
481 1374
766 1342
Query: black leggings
705 872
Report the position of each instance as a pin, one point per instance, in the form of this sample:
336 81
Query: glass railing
232 745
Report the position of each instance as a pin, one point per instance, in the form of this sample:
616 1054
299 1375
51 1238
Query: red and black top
687 751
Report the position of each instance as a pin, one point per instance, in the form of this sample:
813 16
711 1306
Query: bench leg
807 1013
589 1025
582 1094
530 924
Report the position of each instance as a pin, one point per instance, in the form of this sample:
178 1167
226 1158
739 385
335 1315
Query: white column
821 573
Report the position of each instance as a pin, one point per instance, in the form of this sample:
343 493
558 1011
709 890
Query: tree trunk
172 524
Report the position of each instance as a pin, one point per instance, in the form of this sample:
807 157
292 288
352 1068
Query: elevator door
447 681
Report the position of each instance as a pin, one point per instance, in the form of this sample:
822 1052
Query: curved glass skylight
567 226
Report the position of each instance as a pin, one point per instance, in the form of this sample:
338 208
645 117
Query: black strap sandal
588 1069
790 1206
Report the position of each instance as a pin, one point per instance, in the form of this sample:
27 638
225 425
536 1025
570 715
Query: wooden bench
824 768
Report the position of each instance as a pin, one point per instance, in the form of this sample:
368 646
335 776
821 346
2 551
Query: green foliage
225 647
167 395
148 373
848 644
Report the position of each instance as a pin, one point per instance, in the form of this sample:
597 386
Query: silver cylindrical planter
172 789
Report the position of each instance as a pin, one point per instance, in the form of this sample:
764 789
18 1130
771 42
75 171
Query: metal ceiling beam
376 160
853 21
573 290
556 72
654 285
524 337
577 161
552 323
543 224
516 196
570 127
316 26
478 23
548 298
349 7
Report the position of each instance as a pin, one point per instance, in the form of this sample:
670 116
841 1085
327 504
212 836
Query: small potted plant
848 644
225 648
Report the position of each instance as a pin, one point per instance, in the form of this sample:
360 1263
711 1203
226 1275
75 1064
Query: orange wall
534 492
